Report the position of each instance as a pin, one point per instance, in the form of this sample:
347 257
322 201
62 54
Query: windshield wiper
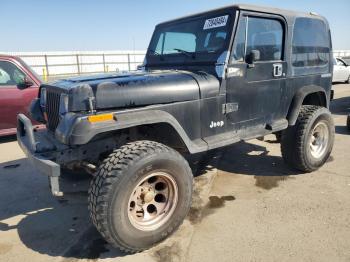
189 54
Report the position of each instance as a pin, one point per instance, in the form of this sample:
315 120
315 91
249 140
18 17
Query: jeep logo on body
216 124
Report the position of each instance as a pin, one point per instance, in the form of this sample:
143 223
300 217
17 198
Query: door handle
277 70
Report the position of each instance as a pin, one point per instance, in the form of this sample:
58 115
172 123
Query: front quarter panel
183 117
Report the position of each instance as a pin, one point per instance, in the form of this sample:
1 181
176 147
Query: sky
83 25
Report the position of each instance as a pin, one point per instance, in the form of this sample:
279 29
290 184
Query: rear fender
299 98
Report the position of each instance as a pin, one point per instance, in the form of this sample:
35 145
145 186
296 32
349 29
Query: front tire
307 145
348 122
141 194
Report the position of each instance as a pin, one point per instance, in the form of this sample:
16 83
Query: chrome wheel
153 201
319 140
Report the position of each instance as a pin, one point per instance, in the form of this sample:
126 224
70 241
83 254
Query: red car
19 85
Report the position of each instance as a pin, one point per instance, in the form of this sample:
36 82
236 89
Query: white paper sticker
215 22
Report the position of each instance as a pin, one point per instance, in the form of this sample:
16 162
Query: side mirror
26 83
252 57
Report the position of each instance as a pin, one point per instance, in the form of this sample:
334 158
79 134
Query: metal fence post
129 62
104 63
47 67
77 56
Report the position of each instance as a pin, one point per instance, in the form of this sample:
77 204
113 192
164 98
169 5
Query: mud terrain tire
307 145
127 173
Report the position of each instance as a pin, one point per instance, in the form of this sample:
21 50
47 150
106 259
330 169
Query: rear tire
307 145
141 194
348 122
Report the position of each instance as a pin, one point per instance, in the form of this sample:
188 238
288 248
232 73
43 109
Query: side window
311 46
262 34
4 76
266 36
18 76
10 74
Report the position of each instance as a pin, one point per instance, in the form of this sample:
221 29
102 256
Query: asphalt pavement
248 206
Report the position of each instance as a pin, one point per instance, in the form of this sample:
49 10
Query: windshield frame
197 57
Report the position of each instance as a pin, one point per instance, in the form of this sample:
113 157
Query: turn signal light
100 118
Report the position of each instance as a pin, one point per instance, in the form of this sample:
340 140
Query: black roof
261 9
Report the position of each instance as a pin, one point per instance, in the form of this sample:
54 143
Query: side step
277 125
221 140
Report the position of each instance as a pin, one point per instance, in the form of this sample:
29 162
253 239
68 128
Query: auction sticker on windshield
215 22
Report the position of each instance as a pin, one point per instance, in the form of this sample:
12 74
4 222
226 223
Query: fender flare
82 131
298 99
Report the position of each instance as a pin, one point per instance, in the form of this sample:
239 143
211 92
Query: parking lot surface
248 206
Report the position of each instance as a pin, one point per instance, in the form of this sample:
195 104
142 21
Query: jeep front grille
52 109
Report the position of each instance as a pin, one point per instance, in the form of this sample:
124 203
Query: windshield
190 37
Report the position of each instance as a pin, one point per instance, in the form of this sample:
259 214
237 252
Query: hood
133 89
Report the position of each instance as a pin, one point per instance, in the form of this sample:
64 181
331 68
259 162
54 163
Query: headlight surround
64 99
43 97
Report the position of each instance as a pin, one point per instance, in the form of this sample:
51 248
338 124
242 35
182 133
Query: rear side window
311 46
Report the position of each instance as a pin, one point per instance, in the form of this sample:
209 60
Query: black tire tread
292 143
118 161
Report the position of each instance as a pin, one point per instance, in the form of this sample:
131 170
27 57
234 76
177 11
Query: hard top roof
254 8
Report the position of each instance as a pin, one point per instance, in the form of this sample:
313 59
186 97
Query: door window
10 74
265 35
262 34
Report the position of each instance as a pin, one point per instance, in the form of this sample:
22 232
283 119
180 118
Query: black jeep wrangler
208 80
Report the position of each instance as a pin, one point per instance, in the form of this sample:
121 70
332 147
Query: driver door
254 91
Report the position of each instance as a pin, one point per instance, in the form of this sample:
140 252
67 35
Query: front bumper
26 140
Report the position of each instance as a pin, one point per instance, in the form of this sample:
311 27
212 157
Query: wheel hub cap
319 140
153 201
149 197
